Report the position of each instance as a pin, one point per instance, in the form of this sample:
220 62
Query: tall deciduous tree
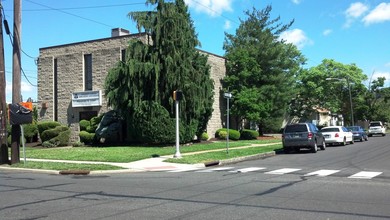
327 86
142 87
261 69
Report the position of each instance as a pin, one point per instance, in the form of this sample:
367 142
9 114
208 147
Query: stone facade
61 73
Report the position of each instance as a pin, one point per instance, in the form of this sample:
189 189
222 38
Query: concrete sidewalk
150 164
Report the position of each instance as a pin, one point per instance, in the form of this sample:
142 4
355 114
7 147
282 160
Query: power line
86 7
78 16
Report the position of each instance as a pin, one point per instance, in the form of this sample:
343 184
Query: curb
239 159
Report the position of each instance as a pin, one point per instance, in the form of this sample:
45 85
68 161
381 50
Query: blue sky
346 31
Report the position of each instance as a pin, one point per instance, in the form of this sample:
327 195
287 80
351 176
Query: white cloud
26 89
296 1
227 25
354 11
210 7
382 74
380 14
327 32
296 37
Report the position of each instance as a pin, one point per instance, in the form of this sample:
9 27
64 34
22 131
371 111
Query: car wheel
352 142
370 135
383 134
344 142
286 150
366 138
314 149
323 146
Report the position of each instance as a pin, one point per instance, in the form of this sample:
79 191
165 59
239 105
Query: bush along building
71 80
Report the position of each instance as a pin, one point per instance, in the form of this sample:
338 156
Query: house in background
71 80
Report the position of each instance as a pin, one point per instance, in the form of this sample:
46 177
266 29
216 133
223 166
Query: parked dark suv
302 135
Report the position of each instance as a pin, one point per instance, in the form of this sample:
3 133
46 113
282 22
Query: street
342 182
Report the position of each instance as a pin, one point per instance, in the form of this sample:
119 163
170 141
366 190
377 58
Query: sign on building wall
87 99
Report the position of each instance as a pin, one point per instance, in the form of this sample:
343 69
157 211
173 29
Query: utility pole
16 81
3 105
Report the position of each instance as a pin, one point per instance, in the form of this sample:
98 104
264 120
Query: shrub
233 134
247 134
45 125
30 131
62 139
86 137
222 135
51 133
78 144
49 144
204 136
84 124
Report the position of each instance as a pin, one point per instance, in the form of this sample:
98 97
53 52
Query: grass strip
127 153
223 155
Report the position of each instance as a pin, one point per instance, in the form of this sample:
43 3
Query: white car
376 128
337 135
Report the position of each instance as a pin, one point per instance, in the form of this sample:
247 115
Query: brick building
71 80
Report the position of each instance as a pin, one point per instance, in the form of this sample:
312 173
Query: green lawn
126 154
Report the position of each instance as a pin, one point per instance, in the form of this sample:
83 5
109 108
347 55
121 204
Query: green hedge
247 134
84 124
54 132
30 131
86 137
45 125
233 134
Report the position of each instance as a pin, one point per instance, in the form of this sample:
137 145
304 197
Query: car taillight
336 135
309 135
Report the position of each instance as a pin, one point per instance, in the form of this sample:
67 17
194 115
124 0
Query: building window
123 55
87 72
55 79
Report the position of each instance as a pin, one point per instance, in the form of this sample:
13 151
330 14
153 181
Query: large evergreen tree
141 88
261 69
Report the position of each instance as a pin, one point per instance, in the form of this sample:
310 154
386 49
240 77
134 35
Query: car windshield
353 128
296 128
375 124
330 130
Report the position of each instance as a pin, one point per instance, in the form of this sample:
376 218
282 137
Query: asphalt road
302 185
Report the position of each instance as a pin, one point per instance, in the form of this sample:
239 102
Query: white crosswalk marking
282 171
215 169
249 169
322 173
365 175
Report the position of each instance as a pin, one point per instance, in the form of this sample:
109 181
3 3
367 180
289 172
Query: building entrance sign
87 99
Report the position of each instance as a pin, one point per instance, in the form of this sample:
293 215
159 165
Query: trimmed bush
51 133
30 131
222 135
86 137
247 134
45 125
84 124
62 139
233 134
204 136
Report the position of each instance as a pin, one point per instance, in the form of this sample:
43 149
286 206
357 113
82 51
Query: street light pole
228 96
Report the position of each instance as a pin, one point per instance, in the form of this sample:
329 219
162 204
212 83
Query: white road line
184 170
322 173
249 169
282 171
365 175
215 169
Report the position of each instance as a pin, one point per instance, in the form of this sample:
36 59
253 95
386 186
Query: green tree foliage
377 100
144 83
261 69
327 86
